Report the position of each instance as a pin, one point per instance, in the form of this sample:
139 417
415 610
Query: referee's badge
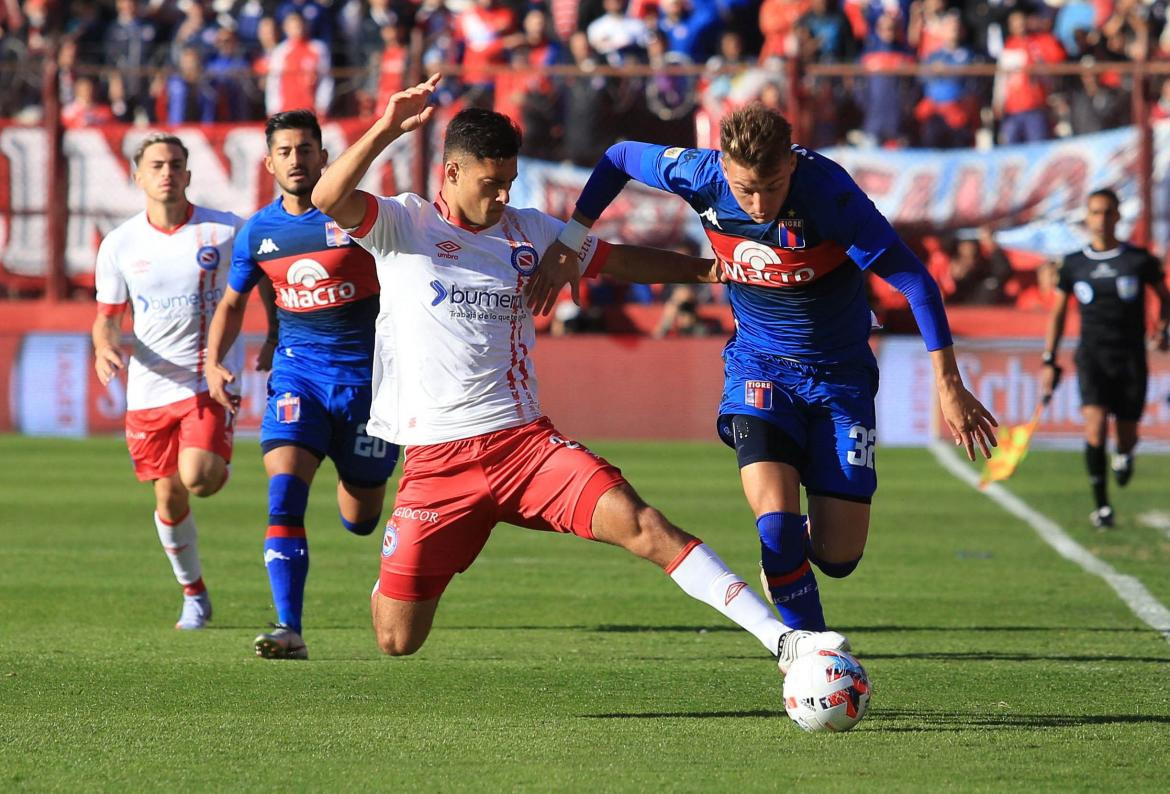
1084 292
1128 287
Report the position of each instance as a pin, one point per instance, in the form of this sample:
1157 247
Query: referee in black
1109 280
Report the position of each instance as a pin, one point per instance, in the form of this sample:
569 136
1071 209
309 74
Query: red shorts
451 495
155 435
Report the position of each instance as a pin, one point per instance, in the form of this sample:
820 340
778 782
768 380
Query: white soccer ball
826 691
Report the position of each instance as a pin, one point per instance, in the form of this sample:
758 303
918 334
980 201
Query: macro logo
185 304
312 277
761 262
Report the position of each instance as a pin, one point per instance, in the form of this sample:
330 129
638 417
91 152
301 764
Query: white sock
179 542
702 575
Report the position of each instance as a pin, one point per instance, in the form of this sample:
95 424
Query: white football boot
281 643
196 612
797 642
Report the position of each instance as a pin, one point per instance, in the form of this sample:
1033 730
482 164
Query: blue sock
792 586
286 549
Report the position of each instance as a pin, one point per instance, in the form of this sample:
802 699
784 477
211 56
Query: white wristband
573 235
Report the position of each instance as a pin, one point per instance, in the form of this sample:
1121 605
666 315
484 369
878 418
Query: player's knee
204 486
395 642
836 570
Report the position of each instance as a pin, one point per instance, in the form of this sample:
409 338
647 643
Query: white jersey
453 335
172 282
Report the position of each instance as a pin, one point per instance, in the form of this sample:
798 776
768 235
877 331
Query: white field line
1139 600
1156 519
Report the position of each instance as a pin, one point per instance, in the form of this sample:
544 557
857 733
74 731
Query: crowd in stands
182 61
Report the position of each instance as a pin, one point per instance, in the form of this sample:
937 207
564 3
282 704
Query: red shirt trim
368 219
112 309
600 257
445 210
190 213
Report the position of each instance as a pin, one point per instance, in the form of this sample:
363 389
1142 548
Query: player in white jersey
168 265
454 382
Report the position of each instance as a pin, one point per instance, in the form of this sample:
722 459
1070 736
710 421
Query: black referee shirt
1110 288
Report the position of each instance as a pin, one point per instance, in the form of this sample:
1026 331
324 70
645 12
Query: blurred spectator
391 65
777 23
823 34
190 96
66 69
315 17
298 72
616 36
690 29
949 110
485 31
541 106
1161 106
986 21
589 122
978 271
248 15
1040 295
84 110
724 68
193 31
680 314
1021 99
1074 16
924 27
229 73
884 97
435 24
130 45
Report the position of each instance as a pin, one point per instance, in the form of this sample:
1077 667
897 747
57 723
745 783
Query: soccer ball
826 691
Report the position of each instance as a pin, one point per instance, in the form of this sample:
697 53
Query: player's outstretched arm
108 359
641 265
968 420
224 330
336 193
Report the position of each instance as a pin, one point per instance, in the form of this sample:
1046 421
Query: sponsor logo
190 303
525 259
447 249
758 258
389 539
758 394
267 247
309 273
1084 291
288 408
732 591
207 257
478 304
335 236
413 514
440 292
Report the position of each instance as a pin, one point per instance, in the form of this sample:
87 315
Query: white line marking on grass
1156 519
1135 595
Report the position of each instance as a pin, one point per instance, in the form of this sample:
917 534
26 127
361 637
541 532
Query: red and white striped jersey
453 335
298 77
172 282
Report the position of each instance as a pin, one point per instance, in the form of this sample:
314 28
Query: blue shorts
826 409
328 420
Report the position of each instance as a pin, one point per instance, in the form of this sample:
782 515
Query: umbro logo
267 247
447 249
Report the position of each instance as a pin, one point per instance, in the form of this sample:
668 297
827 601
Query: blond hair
158 137
756 137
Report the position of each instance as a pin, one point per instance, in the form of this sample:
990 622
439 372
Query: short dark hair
158 137
756 136
484 134
1108 193
292 120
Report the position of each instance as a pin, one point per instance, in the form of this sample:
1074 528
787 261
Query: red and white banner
227 173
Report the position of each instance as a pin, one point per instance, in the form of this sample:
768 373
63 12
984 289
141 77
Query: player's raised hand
559 266
409 109
108 362
218 377
969 421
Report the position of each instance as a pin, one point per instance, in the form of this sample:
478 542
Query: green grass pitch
560 665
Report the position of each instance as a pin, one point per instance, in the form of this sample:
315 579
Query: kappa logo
267 247
273 554
710 216
447 249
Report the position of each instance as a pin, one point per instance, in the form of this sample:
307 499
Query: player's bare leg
623 519
286 549
360 507
1096 420
402 626
1127 439
838 531
772 490
201 471
178 535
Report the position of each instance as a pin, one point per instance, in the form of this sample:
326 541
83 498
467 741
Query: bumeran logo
191 303
477 304
308 273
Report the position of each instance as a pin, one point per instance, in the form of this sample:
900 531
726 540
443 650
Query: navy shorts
328 420
826 410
